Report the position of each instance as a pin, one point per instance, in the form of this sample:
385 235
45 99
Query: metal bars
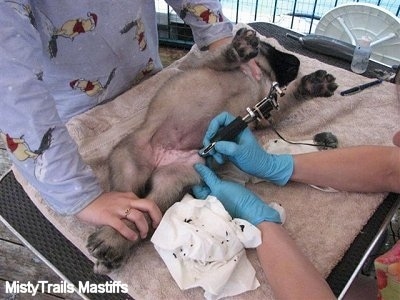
299 15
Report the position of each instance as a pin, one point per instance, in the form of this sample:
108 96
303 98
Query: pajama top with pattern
60 58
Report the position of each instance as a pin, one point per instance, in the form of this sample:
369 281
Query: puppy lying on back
156 160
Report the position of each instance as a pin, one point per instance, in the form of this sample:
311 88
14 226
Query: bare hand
110 208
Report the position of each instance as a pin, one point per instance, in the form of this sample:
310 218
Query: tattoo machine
261 111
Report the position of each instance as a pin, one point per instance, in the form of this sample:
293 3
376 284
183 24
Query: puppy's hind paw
246 44
110 249
317 84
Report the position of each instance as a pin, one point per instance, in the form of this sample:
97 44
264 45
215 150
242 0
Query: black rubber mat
20 212
342 272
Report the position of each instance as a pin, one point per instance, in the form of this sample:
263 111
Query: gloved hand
237 200
246 153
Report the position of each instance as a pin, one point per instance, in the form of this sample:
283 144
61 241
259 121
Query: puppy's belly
172 156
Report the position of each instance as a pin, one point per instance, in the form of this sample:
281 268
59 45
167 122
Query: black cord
398 232
298 143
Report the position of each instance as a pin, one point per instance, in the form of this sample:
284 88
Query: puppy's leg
129 172
169 184
129 168
317 84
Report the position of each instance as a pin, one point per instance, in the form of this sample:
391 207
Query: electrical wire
299 143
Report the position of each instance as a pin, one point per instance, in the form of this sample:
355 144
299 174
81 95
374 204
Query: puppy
156 160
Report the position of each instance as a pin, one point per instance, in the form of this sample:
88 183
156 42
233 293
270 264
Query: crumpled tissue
203 246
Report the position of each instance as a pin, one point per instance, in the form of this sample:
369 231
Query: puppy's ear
284 65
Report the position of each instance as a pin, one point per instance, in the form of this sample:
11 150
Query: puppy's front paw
110 249
317 84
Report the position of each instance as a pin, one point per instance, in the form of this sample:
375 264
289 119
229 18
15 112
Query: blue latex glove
247 154
237 200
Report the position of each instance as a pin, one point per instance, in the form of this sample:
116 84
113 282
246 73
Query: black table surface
279 33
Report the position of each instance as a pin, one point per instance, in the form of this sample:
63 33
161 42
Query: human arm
358 169
38 142
206 20
288 271
290 274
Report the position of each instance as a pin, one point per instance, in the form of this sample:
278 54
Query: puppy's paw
246 43
110 249
317 84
